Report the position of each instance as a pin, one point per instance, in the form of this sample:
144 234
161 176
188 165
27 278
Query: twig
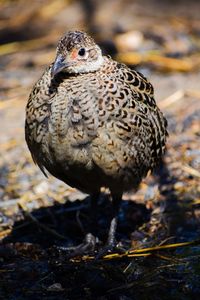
42 226
178 95
159 60
10 202
190 170
4 233
140 252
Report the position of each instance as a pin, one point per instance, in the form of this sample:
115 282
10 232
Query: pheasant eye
81 52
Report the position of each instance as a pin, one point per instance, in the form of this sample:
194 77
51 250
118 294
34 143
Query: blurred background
161 39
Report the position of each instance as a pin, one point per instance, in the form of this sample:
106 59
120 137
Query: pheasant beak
59 64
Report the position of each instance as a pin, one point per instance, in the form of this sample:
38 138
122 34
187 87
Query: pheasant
93 122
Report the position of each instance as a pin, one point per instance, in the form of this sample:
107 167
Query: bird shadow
66 224
174 213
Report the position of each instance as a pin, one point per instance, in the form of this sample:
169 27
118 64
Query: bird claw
87 247
109 249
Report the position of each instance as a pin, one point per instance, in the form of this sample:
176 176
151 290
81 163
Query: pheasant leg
111 243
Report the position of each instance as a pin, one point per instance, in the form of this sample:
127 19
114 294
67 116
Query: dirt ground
159 225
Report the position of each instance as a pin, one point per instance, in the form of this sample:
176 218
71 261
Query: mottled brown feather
95 128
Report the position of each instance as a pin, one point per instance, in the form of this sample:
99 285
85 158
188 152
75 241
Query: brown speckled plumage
93 122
